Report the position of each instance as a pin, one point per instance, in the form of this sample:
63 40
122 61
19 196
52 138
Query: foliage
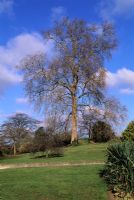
65 138
7 150
119 168
128 133
116 139
102 132
45 142
25 144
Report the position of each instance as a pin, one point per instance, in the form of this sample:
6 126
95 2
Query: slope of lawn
83 152
68 183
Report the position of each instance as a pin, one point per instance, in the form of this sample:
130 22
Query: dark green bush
102 132
118 171
65 138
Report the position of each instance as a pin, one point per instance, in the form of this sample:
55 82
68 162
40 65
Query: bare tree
114 113
75 77
90 115
17 127
109 111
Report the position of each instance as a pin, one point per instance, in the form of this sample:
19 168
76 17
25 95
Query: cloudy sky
21 24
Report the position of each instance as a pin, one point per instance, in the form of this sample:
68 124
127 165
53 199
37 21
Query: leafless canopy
17 127
109 111
75 77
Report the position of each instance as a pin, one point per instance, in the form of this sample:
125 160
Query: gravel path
14 166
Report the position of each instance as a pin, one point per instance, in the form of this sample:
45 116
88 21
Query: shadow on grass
49 156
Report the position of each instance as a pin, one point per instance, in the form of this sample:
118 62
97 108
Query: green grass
56 183
69 183
84 152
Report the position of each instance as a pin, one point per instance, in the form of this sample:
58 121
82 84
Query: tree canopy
17 127
75 76
102 132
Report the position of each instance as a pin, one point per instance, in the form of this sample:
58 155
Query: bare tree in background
109 111
114 113
75 77
16 128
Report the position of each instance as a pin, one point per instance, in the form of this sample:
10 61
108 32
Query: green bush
116 139
118 171
128 133
102 132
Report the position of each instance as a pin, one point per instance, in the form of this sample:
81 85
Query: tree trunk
90 133
14 149
74 135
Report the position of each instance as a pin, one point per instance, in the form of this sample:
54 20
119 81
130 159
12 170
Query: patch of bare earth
12 166
110 196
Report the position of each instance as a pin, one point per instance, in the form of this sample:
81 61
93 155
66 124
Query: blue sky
21 24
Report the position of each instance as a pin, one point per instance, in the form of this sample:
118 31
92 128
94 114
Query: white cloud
22 100
127 91
58 12
22 45
123 78
124 6
6 7
7 78
15 50
112 8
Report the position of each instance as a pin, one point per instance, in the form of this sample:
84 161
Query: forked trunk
74 135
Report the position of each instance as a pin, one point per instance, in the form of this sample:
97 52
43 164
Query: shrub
25 145
65 139
128 133
102 132
47 143
116 139
1 154
7 150
119 168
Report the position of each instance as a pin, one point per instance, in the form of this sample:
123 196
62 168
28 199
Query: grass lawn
69 183
56 183
83 152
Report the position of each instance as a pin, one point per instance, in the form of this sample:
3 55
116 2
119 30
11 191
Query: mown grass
68 183
56 183
83 152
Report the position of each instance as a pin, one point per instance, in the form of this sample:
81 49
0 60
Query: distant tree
102 132
128 133
16 128
113 112
88 118
110 111
75 77
55 123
